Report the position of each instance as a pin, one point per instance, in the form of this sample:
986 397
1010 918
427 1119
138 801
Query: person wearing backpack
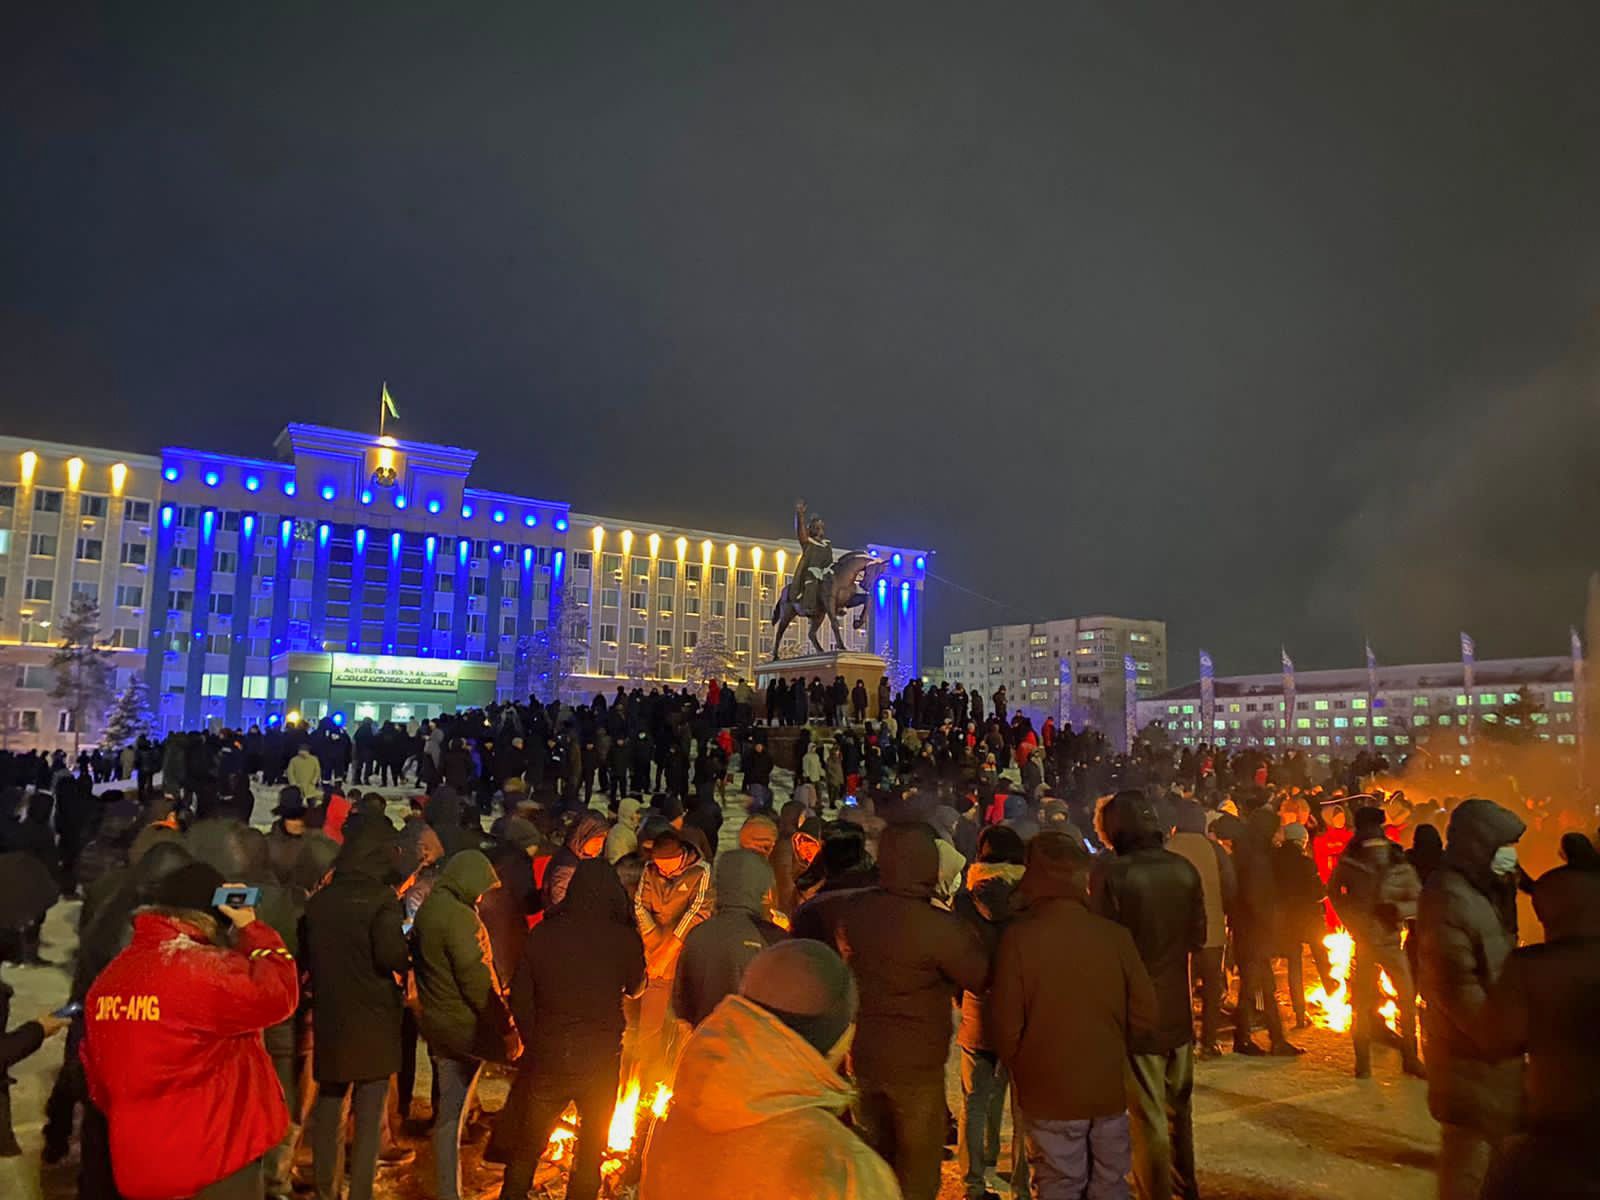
1375 888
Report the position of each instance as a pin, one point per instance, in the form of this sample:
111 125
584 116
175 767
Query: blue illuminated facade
345 543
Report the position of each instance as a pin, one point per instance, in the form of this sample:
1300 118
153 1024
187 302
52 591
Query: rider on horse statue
814 562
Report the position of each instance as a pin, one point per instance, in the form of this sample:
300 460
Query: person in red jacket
172 1046
1326 848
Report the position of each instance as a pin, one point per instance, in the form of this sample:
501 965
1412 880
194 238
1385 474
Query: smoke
1484 520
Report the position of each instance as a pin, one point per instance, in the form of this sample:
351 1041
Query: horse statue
844 587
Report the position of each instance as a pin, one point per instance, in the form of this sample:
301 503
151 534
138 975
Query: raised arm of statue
800 533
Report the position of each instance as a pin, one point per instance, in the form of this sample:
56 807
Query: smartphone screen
235 895
66 1012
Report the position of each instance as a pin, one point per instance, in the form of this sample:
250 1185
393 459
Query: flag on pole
1577 657
1208 697
1469 657
1288 696
1130 710
1372 679
1064 693
388 403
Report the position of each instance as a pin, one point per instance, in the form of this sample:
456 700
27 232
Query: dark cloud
1134 307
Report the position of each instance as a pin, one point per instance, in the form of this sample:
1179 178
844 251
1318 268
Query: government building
354 576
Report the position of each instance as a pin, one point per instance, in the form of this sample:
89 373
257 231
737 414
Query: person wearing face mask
758 1092
1467 926
674 896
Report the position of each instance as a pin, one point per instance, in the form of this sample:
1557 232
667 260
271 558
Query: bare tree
84 674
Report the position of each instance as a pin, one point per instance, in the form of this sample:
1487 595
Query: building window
1561 697
692 572
93 506
741 610
666 569
664 637
220 604
91 549
690 639
719 607
608 633
636 635
611 565
441 622
638 601
508 627
581 560
8 495
85 590
743 577
664 603
610 597
719 576
46 501
42 545
691 606
64 721
225 561
134 554
43 590
137 511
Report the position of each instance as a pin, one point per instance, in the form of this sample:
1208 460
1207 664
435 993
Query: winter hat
521 833
668 805
291 803
1057 868
1295 832
190 886
806 985
1370 822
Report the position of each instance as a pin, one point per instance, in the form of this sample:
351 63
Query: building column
239 645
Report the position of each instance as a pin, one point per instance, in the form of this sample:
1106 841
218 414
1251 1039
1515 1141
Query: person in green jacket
458 996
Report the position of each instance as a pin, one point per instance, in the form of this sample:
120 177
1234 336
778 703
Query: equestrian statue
820 588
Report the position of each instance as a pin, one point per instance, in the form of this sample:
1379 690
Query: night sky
1276 321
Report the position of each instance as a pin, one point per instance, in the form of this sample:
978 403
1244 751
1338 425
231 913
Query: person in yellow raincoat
756 1102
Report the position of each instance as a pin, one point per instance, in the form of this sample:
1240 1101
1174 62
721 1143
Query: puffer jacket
305 773
1466 926
456 985
754 1100
173 1056
909 958
717 951
1158 898
352 945
1215 869
985 905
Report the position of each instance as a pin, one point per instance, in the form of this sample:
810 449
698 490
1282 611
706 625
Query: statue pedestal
852 664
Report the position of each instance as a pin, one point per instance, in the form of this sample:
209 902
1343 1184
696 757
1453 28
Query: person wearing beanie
172 1047
1158 897
1068 998
910 960
674 896
757 1095
717 951
1300 925
1374 888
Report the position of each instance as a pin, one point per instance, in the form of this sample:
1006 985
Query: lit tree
84 676
710 658
636 665
899 673
131 717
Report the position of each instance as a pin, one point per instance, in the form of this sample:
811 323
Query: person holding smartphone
16 1045
172 1049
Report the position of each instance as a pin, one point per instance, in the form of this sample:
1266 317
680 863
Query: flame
624 1117
1335 1011
624 1124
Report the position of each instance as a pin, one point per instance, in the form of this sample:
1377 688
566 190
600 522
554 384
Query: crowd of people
552 896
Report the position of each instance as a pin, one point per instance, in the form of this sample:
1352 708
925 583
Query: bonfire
1334 1011
630 1125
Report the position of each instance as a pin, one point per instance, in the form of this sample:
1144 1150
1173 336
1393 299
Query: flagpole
383 409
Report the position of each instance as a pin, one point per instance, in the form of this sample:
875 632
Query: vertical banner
1208 698
1372 685
1288 696
1064 694
1579 695
1130 700
1469 656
